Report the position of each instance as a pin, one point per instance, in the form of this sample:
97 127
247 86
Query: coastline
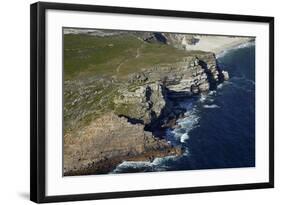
136 110
217 44
159 166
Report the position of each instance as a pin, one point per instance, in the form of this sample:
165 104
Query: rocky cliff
151 95
111 118
108 141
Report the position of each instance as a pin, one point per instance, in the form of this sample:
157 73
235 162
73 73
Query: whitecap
221 54
158 164
211 106
184 137
180 135
212 92
202 98
133 164
161 160
175 137
209 97
220 86
243 45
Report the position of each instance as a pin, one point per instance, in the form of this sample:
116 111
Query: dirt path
124 61
119 66
138 53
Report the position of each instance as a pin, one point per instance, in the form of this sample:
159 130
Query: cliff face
177 40
109 117
192 75
142 106
151 95
143 103
107 142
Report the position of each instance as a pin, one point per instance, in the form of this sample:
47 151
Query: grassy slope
93 57
85 54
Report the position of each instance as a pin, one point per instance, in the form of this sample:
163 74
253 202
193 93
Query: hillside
133 78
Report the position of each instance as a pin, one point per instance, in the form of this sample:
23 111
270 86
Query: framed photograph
129 102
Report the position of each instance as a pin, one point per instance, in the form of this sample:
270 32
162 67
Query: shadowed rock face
145 103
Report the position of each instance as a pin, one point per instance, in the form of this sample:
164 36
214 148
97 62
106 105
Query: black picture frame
38 101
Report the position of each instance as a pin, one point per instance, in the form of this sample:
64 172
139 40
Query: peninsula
121 91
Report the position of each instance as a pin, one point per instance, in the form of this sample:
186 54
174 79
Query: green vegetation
96 55
88 59
128 110
84 103
113 55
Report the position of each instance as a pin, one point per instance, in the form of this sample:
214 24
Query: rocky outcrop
180 40
176 40
192 75
111 120
151 95
143 103
107 142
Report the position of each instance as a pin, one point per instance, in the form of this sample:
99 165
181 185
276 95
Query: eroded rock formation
108 141
132 113
149 98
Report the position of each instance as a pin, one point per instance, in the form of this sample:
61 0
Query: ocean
219 130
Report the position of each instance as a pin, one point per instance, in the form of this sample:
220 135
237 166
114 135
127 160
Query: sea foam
158 164
243 45
211 106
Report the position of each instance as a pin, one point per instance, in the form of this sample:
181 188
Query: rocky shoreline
101 150
142 107
153 99
142 112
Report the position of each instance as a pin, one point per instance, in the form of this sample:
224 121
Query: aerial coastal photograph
154 101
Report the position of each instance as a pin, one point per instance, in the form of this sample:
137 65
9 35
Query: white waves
177 136
158 164
244 45
212 92
184 137
203 98
211 106
186 124
222 54
191 120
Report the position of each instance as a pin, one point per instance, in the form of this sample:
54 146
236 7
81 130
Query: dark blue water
219 131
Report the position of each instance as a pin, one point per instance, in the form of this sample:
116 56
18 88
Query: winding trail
138 53
119 66
125 60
